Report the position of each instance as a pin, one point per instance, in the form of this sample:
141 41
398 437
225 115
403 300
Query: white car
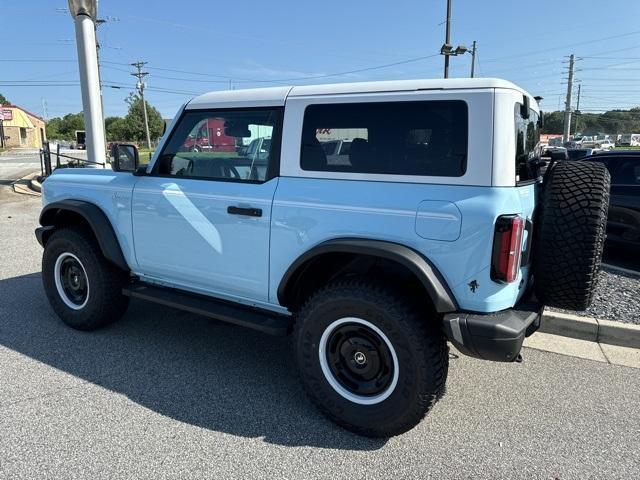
605 144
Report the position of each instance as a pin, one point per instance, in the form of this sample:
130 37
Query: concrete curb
25 185
590 329
35 185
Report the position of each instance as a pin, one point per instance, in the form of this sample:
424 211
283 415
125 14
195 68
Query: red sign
7 114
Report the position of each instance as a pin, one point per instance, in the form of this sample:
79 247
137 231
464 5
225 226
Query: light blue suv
431 224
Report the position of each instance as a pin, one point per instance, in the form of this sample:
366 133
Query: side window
427 138
527 145
222 145
627 172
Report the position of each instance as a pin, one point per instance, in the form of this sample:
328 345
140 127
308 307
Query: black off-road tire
105 303
569 233
419 343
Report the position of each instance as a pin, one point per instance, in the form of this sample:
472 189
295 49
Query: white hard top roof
272 96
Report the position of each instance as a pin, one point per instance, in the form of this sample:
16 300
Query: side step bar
262 320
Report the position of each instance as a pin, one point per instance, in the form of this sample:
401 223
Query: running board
245 316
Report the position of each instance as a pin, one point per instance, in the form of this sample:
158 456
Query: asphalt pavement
16 164
166 394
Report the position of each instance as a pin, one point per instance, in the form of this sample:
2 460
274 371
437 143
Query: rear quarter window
527 145
423 138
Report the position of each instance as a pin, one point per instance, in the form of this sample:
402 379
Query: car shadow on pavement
197 371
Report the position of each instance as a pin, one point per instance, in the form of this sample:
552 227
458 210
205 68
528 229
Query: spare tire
569 233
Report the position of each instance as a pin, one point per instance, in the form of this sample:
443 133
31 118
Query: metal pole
47 158
447 39
90 85
140 75
577 109
146 118
567 106
473 59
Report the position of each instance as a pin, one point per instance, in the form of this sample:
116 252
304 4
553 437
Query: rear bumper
494 336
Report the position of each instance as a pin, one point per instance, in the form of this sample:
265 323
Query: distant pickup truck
601 141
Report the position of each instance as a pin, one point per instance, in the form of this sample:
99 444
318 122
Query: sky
196 46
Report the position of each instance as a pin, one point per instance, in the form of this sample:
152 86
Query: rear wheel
368 359
570 232
83 288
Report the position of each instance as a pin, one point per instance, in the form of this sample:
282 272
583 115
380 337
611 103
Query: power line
559 47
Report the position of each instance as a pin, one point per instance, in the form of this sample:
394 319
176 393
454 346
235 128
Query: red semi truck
209 136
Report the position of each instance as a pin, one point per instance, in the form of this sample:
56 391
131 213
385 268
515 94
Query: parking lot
165 393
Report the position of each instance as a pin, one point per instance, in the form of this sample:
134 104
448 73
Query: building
20 128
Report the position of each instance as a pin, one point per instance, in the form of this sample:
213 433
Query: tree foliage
3 99
65 128
134 120
613 121
127 128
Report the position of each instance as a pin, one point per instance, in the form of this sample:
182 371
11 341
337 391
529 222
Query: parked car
623 225
580 141
424 235
605 144
629 140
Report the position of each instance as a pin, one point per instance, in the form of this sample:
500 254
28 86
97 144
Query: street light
83 7
448 51
84 14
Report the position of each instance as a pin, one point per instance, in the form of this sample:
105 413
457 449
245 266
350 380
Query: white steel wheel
71 280
358 360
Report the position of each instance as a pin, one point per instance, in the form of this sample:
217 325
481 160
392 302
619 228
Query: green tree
135 120
612 121
65 128
116 129
3 99
553 122
54 126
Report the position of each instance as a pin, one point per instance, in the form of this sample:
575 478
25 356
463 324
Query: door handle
249 212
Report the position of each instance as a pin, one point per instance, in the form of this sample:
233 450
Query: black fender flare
421 267
97 220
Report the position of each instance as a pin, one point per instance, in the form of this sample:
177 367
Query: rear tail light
507 248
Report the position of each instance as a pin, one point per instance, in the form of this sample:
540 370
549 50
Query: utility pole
447 40
577 110
566 131
473 59
140 86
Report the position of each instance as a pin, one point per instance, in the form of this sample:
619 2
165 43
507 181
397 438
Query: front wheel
368 359
83 288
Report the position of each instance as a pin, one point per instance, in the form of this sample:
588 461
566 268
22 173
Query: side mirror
124 157
524 107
